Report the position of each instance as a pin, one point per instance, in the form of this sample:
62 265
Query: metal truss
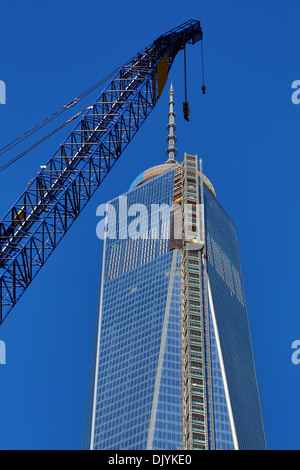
197 398
37 222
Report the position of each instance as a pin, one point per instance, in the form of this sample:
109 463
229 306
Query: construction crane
52 201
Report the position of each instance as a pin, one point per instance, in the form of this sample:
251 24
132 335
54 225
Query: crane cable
36 144
69 105
203 88
50 118
186 109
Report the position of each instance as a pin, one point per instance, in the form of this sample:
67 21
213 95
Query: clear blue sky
245 128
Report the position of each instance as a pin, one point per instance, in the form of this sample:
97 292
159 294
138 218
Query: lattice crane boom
37 222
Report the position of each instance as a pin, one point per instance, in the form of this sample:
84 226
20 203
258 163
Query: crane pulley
52 201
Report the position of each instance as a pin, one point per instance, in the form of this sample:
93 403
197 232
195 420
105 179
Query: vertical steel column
193 327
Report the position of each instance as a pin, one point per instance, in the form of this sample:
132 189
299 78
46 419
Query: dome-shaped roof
159 169
152 172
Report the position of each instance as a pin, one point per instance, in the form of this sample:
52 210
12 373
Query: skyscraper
173 365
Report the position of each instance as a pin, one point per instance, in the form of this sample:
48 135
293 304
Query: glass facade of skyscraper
136 395
228 304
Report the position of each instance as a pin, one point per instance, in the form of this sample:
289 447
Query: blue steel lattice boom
37 222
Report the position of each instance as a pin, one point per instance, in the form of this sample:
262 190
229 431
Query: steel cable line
50 118
20 155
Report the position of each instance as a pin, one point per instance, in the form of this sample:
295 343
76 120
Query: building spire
171 139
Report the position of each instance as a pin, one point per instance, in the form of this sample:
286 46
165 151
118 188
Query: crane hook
203 88
186 109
